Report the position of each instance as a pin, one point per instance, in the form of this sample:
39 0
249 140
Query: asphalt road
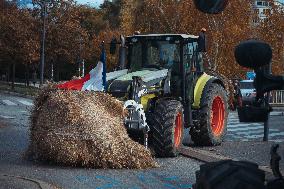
241 142
14 140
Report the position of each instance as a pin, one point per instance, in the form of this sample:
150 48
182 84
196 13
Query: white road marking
233 117
9 103
233 121
270 135
277 140
255 132
6 117
26 102
276 134
243 125
276 113
234 129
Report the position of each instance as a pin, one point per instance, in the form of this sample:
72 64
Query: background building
263 8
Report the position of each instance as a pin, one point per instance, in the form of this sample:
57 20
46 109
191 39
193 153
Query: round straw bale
84 129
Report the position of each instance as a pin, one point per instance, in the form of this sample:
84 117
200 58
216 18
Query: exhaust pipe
122 53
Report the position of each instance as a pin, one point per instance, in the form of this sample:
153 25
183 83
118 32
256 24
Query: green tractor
165 89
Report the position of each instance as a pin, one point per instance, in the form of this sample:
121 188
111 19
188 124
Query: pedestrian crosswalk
27 103
237 131
9 103
16 102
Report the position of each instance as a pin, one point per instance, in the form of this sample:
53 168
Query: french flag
95 80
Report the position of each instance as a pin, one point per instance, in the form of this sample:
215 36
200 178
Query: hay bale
84 129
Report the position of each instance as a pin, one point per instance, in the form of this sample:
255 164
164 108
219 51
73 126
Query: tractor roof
184 36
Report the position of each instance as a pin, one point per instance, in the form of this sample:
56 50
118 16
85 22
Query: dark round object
167 128
229 174
211 6
275 184
253 54
211 126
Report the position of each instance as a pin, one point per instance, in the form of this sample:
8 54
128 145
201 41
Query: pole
122 53
42 56
79 69
103 60
80 55
266 123
52 72
266 127
83 68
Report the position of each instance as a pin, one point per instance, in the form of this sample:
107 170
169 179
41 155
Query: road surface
14 136
254 131
174 172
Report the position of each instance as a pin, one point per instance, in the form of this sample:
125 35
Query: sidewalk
19 90
31 84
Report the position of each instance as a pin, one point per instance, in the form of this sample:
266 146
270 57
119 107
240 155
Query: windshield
153 54
246 85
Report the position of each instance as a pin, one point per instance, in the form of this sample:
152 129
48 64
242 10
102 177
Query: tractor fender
201 83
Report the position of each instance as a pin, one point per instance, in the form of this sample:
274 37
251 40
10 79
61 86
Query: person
202 40
237 94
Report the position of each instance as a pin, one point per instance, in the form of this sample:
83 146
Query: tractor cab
162 51
153 57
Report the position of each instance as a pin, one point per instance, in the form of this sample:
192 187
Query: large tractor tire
229 174
210 122
167 128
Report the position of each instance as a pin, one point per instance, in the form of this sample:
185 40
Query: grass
21 89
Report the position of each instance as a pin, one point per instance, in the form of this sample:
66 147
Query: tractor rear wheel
167 128
210 125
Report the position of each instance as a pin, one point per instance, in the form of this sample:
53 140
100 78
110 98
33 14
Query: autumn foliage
75 32
272 32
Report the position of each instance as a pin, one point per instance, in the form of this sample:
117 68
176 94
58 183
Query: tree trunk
8 73
27 75
13 75
57 72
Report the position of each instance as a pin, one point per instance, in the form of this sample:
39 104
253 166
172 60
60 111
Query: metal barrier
277 98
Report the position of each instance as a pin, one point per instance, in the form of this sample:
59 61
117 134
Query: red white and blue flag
93 81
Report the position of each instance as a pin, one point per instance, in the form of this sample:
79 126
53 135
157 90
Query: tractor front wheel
211 120
167 128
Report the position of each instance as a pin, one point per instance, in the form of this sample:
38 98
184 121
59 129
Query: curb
41 184
17 94
207 157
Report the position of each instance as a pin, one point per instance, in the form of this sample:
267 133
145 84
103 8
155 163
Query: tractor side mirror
211 6
112 49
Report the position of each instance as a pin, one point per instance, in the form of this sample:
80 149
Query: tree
271 30
111 11
72 31
66 39
18 39
224 31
